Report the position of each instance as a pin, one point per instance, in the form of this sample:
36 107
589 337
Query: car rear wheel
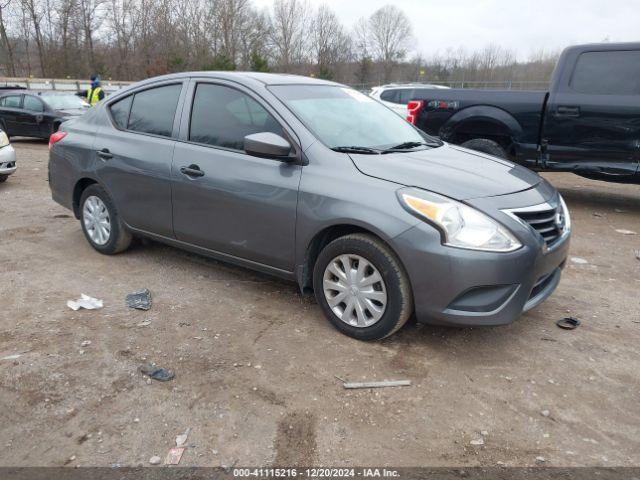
486 146
101 223
362 288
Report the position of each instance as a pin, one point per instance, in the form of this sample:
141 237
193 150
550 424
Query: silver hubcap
354 290
96 220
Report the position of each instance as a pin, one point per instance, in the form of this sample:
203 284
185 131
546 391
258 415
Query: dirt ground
256 364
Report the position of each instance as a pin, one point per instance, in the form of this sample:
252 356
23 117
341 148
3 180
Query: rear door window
607 73
223 116
33 104
11 101
120 111
154 110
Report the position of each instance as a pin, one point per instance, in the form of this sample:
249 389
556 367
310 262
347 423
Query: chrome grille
548 222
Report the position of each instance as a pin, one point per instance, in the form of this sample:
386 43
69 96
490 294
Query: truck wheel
362 288
485 145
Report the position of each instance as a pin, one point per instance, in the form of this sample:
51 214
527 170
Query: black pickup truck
588 123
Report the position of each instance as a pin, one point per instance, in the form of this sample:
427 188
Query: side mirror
267 145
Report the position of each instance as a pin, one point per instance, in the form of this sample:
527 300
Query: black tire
399 297
3 178
486 146
119 238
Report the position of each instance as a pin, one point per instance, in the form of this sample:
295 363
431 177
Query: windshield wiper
408 145
356 149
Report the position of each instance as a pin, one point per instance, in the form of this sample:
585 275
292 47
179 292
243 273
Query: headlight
462 226
4 139
567 217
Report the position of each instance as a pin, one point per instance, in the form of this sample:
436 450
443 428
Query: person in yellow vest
95 92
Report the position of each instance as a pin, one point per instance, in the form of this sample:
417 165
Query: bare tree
133 39
6 42
288 32
390 35
329 43
91 15
362 51
33 11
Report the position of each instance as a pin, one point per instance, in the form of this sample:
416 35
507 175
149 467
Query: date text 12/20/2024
315 473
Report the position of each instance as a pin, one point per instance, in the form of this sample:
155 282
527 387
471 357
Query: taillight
413 109
56 137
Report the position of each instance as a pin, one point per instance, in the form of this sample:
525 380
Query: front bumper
454 286
7 160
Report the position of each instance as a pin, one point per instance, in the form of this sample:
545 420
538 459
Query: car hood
72 112
449 170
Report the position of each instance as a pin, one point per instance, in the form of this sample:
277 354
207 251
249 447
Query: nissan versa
317 183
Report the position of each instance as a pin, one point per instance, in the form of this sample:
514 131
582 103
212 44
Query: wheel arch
304 271
482 121
80 186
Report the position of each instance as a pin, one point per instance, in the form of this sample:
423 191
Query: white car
7 157
397 95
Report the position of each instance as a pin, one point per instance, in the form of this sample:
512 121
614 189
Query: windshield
64 101
343 117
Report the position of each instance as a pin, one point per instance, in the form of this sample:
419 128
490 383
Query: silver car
7 157
319 184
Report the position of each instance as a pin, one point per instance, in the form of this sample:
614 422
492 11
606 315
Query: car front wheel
362 287
101 223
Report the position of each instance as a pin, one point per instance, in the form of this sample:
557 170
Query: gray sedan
319 184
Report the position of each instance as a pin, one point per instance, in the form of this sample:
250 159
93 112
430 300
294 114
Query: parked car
30 113
396 96
319 184
588 122
7 157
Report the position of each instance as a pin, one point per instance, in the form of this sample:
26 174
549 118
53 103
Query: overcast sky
522 25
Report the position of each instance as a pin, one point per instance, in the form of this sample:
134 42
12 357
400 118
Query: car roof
244 78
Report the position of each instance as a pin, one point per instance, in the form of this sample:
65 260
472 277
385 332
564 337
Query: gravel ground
256 364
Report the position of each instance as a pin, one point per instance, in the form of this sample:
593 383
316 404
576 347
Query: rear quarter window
120 111
607 73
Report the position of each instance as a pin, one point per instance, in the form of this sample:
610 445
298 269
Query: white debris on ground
85 301
579 261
